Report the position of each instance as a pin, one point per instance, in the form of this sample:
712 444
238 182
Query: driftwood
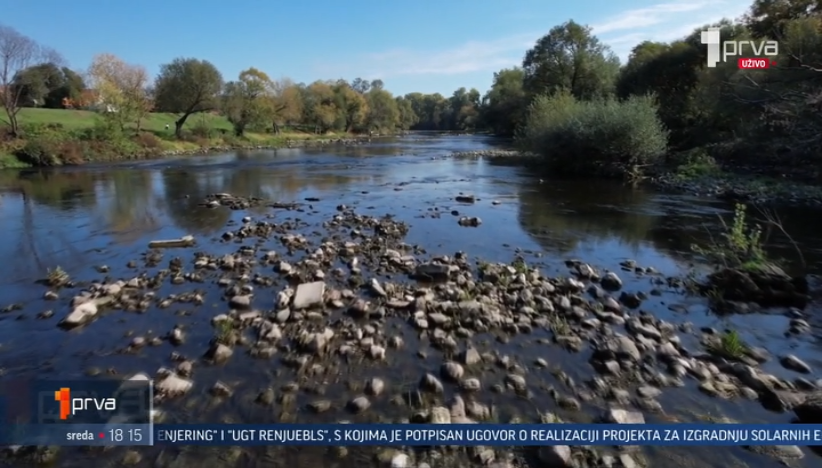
185 241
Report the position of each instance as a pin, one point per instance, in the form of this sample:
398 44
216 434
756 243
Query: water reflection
59 190
184 193
561 214
564 216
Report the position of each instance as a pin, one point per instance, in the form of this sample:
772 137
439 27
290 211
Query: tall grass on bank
55 137
604 137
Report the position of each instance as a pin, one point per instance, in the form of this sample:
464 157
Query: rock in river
432 271
173 385
611 281
359 404
810 411
241 301
452 371
767 285
558 456
309 295
81 314
623 416
795 364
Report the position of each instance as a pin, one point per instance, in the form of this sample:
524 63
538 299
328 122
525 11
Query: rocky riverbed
340 307
321 286
759 190
493 154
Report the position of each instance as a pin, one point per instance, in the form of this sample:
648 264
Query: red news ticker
755 63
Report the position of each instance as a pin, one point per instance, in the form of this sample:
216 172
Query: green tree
768 18
504 105
70 87
351 105
360 85
432 111
187 86
408 118
36 82
776 112
247 102
49 85
671 72
319 106
383 113
464 109
286 103
687 91
570 57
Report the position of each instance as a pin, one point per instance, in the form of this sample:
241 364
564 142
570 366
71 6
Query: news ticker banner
490 434
116 412
435 434
70 412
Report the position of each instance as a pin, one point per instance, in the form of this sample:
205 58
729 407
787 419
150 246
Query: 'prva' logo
760 54
71 406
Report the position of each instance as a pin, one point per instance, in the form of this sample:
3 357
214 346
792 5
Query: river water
79 219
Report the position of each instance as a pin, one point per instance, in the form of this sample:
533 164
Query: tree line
32 75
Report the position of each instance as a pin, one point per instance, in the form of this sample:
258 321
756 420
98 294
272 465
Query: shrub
694 163
231 140
148 140
41 130
741 243
201 129
38 153
607 137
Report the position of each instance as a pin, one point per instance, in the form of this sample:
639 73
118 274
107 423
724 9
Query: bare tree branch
17 53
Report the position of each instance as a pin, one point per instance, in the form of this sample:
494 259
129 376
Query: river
81 219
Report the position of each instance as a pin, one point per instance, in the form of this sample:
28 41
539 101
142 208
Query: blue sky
421 45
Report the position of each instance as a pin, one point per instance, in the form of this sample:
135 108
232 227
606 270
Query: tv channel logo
722 51
92 402
72 406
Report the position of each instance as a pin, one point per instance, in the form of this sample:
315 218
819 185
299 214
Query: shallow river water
80 219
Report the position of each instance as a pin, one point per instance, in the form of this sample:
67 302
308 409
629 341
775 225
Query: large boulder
767 285
810 411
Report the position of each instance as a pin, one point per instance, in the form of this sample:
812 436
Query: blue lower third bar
414 434
490 434
77 434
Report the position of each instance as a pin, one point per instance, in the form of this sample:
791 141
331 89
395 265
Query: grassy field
79 119
70 123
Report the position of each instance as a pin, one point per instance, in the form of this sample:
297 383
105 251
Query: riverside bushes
53 145
605 137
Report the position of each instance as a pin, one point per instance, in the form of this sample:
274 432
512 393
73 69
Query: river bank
326 285
71 152
740 185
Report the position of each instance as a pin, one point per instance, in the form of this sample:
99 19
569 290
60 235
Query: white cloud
473 56
663 22
651 16
660 22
